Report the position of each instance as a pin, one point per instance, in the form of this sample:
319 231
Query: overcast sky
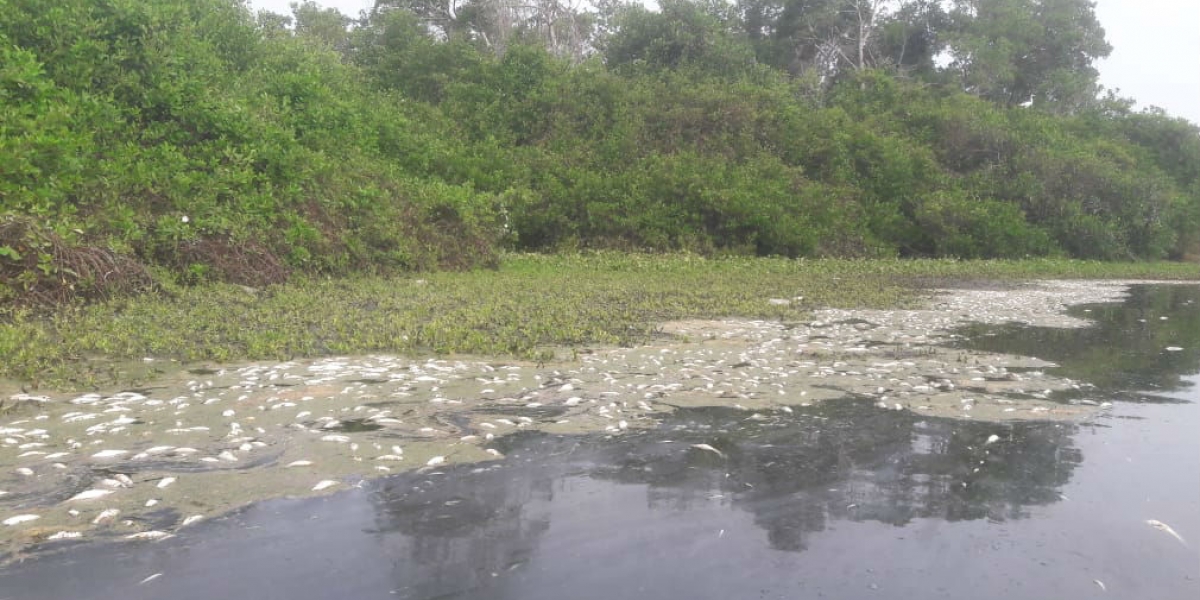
1155 58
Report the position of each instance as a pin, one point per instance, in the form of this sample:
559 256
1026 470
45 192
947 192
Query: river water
836 500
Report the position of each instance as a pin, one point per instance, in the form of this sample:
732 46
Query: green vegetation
186 148
164 142
530 307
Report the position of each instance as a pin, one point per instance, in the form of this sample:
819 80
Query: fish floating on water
709 448
435 461
17 520
299 463
324 485
1163 527
992 439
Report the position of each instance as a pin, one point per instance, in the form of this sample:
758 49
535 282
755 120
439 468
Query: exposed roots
39 268
244 263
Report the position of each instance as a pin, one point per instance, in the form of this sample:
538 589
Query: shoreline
190 447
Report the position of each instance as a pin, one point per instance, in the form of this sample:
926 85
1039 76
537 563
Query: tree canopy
198 138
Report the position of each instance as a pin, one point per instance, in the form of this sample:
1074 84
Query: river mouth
797 498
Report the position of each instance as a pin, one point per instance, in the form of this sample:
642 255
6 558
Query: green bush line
196 142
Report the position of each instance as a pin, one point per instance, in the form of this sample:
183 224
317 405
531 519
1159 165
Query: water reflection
794 475
1125 350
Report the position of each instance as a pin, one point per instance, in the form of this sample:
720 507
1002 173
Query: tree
1038 52
684 34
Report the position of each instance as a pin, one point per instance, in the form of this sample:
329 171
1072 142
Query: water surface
836 500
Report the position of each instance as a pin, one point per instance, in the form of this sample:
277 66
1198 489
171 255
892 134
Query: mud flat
144 464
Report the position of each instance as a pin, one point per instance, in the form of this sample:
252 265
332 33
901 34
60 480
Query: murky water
837 500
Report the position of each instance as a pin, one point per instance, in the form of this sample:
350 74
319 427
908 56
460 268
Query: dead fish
1103 587
190 520
435 461
17 520
709 449
166 481
110 453
341 439
227 456
106 515
992 439
324 484
151 502
150 578
26 471
389 457
65 535
1163 527
89 495
149 536
298 463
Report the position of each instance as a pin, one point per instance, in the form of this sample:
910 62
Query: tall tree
1028 51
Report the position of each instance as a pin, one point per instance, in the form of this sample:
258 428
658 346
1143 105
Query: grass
530 306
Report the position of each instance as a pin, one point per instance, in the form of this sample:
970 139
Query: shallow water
838 500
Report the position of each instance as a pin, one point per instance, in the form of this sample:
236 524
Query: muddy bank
145 464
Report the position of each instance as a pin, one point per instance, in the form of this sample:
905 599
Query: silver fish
709 448
1163 527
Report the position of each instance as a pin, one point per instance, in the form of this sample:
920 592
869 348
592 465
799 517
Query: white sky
1155 58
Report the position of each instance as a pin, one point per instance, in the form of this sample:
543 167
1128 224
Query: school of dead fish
333 421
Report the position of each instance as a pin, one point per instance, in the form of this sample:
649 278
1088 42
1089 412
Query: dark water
837 501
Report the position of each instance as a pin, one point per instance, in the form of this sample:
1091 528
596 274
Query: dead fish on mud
1163 527
17 520
149 536
89 495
